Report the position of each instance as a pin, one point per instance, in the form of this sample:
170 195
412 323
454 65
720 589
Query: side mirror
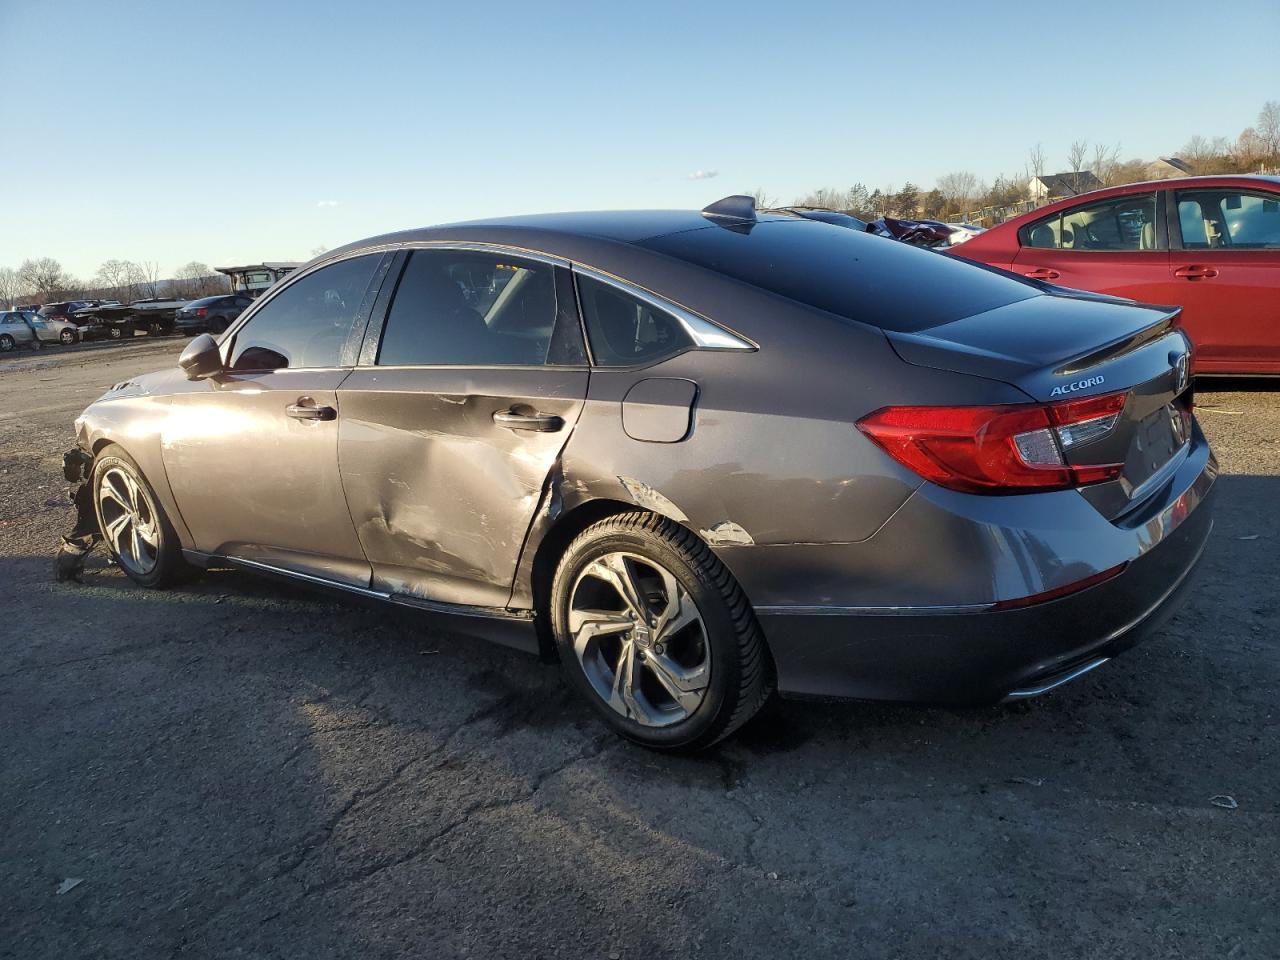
201 358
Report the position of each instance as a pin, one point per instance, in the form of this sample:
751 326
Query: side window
1117 224
308 322
625 330
454 307
1215 219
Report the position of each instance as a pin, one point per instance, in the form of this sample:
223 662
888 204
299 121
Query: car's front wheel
657 634
133 524
67 336
115 332
6 343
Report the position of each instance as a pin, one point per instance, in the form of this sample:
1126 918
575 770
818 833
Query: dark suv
212 314
63 310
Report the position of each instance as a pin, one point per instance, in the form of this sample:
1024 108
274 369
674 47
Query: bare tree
119 278
1269 127
1250 150
196 279
1075 162
10 286
149 277
1106 160
824 197
1035 162
45 279
960 190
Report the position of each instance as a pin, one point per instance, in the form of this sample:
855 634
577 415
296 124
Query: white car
22 327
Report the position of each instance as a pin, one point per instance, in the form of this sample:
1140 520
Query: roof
1171 162
1070 182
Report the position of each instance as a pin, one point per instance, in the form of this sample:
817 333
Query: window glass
625 330
308 322
456 307
864 278
1118 224
1213 219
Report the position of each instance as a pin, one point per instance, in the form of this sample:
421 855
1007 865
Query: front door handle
308 409
1195 272
537 422
1042 273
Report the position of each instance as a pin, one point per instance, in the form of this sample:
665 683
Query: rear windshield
858 276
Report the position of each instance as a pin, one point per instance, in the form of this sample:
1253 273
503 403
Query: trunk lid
1061 347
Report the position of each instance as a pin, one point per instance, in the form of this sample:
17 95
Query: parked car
1210 245
211 314
17 324
16 329
63 309
699 456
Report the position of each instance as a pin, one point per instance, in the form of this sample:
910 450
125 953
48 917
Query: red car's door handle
1042 273
1194 272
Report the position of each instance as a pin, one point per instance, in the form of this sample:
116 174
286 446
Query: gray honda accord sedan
698 456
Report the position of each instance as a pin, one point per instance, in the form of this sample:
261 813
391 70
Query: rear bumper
977 655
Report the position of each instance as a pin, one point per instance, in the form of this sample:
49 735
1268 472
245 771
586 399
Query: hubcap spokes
129 522
640 639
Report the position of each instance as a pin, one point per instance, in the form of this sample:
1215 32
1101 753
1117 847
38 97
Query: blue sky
245 131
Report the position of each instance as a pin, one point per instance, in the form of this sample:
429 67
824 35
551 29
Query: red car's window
1116 224
1214 219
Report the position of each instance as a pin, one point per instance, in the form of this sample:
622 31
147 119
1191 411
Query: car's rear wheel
6 343
133 524
115 332
67 336
218 325
657 634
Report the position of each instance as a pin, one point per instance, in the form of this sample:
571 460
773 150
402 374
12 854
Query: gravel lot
242 769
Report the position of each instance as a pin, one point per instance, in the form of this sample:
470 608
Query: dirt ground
241 769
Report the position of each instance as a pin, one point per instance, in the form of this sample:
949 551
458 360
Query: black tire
740 669
68 336
6 343
218 325
169 567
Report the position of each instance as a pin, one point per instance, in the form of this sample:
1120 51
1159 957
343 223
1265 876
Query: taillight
202 312
1008 448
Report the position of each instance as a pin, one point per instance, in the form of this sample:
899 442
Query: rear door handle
537 422
307 409
1043 273
1194 272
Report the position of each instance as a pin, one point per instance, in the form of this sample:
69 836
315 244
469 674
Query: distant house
1063 184
1167 167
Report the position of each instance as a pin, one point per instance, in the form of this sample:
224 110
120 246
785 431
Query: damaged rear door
456 416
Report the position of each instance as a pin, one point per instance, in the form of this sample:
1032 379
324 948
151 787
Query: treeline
44 280
1256 149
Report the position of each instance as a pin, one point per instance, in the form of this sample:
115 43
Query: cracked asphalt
241 769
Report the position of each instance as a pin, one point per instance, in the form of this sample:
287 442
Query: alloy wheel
130 522
640 639
67 336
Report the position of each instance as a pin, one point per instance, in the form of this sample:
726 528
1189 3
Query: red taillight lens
202 312
1009 448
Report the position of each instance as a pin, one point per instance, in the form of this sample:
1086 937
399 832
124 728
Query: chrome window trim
705 334
477 246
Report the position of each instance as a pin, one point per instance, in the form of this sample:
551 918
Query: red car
1208 244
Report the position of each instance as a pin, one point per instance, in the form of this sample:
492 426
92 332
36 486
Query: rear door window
1125 223
1236 219
466 308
